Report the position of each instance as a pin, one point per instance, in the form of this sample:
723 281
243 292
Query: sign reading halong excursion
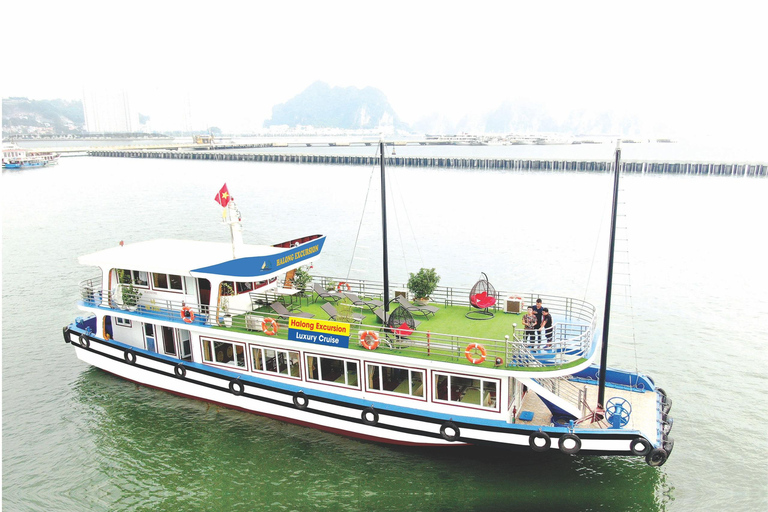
320 332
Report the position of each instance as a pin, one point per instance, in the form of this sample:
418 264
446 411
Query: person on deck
529 321
546 326
537 310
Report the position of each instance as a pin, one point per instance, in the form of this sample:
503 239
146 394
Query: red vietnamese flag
223 196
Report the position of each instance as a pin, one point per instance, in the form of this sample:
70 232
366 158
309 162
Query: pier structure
632 167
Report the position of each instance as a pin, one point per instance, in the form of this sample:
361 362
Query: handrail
570 341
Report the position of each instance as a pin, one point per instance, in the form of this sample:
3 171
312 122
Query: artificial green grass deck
449 321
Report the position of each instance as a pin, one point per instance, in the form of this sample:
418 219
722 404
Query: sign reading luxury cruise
319 332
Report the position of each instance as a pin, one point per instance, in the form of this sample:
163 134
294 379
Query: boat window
185 344
122 321
136 277
393 379
283 362
224 352
167 282
465 390
331 369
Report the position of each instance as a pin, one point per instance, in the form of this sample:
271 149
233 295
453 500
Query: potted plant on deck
129 294
226 292
422 284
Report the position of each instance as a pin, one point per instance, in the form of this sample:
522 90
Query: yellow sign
319 326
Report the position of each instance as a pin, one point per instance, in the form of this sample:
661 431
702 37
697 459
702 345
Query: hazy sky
693 67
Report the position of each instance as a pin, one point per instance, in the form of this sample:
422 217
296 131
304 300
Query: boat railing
566 308
570 341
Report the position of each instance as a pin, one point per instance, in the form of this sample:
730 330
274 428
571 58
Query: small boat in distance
15 157
247 327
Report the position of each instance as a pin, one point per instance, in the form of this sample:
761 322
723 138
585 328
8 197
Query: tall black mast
609 285
384 229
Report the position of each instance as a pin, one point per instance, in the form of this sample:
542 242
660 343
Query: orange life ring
365 336
471 358
341 285
269 326
187 314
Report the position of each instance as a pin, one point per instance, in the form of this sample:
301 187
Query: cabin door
149 337
204 295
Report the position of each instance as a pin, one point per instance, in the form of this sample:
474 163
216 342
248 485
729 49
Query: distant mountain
22 115
348 108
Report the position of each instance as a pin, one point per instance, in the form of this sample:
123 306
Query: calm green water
75 438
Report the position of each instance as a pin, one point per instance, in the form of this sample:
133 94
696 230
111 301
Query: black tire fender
535 437
639 446
236 387
84 341
129 356
656 457
66 335
564 442
370 416
450 431
300 400
180 371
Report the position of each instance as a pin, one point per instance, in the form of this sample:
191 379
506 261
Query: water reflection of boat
233 324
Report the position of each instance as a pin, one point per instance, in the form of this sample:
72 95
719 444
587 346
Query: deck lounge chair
325 294
413 308
283 312
357 301
333 313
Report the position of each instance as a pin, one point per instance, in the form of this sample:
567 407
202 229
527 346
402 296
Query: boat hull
359 418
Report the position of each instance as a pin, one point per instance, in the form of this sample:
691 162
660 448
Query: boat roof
206 259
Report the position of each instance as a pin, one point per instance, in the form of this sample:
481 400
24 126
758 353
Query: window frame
263 348
123 322
481 407
168 281
410 371
320 380
204 339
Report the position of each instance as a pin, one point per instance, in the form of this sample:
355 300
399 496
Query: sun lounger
333 313
413 308
283 312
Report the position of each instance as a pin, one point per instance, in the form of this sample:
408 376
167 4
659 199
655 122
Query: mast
384 229
609 285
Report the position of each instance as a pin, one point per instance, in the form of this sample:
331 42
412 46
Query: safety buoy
187 314
341 286
471 358
569 443
369 339
269 326
539 441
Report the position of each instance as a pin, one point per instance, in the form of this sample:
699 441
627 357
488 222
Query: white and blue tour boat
230 323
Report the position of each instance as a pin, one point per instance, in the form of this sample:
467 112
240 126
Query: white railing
571 340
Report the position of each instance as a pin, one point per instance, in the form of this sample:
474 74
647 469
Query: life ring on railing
369 339
187 314
269 326
471 358
341 285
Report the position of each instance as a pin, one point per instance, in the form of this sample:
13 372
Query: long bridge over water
637 167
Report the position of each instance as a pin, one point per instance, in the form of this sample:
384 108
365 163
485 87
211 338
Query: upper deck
443 336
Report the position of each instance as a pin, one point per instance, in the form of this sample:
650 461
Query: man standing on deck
538 311
529 321
546 326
